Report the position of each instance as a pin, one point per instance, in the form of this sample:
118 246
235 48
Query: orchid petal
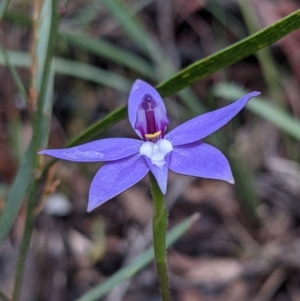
101 150
115 177
138 90
200 160
204 125
160 172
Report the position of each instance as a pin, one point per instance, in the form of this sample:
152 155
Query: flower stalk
159 228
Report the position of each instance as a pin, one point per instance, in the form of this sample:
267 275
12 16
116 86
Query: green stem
159 228
25 242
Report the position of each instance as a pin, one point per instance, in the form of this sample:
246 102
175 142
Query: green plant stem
159 228
25 241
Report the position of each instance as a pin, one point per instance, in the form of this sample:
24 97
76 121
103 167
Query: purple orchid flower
129 160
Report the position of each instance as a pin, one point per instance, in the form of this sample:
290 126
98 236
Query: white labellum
156 151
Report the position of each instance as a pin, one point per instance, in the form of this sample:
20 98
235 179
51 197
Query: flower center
156 152
151 119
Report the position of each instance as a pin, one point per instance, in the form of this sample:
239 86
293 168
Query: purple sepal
96 151
200 160
115 177
160 173
204 125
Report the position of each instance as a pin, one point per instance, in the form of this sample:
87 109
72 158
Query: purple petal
138 90
160 172
204 125
114 178
99 150
200 160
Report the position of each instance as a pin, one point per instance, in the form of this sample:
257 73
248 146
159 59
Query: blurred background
245 246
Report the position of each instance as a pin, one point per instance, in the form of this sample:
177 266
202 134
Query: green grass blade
69 67
243 176
16 18
44 40
262 108
100 126
118 10
15 75
265 58
47 108
244 186
141 37
209 65
92 74
109 51
221 13
25 174
3 7
17 59
230 55
150 46
44 80
16 194
96 75
84 16
136 265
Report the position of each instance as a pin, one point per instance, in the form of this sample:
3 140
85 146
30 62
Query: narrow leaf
15 75
135 31
16 194
230 55
69 67
100 126
25 174
109 51
118 10
3 7
92 74
201 68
